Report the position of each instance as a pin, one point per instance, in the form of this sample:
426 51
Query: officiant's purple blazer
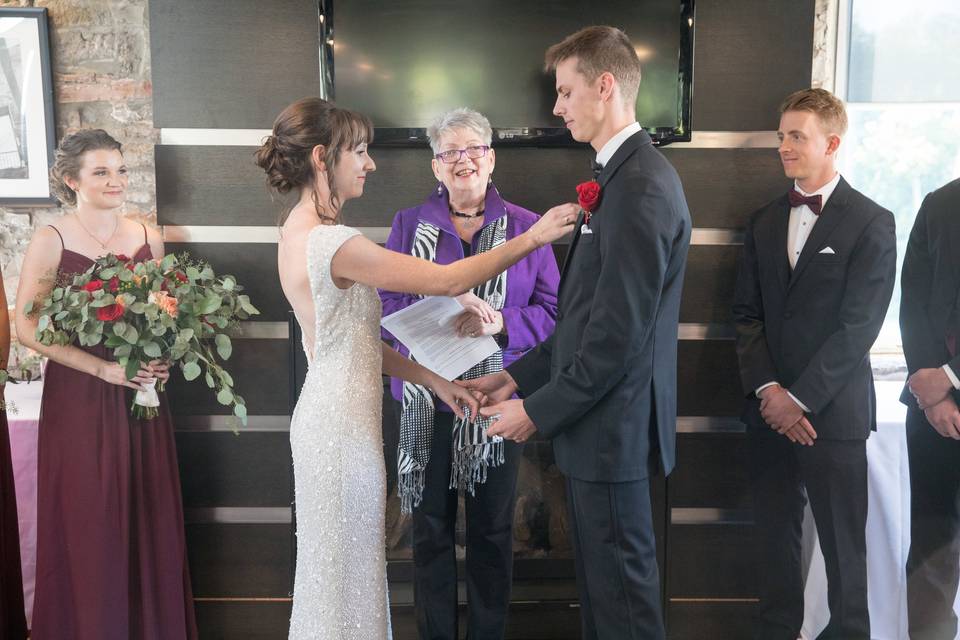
530 310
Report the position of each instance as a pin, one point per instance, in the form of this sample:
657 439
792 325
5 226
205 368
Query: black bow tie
797 199
597 168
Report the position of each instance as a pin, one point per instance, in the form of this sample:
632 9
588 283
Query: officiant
440 455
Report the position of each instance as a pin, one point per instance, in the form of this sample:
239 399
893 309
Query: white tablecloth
888 529
23 451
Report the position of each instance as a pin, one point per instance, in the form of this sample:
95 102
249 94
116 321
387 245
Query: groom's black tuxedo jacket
930 282
811 329
603 386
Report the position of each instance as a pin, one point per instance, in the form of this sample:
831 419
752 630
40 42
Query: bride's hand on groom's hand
494 388
457 398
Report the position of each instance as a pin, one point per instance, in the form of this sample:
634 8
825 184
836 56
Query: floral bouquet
173 309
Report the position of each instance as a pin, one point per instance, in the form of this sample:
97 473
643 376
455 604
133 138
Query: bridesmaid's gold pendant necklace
103 243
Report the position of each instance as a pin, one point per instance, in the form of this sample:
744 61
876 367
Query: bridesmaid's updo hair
308 122
68 159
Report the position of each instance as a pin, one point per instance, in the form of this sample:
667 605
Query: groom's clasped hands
509 418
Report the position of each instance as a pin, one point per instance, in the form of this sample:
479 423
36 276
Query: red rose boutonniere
588 197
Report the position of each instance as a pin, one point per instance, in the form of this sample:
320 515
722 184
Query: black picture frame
26 96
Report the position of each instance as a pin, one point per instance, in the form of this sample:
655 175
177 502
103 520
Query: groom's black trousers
489 542
611 528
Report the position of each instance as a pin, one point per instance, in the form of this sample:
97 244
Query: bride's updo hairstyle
308 122
68 159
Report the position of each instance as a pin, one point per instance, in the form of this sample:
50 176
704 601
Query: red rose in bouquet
111 312
93 285
588 197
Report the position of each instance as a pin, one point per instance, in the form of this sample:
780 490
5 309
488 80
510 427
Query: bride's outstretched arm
360 260
453 395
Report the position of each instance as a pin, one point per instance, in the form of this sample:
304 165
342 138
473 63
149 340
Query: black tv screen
406 61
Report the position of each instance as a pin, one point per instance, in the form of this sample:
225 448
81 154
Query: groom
603 386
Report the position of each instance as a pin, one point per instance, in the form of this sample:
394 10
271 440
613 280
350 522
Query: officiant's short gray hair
460 118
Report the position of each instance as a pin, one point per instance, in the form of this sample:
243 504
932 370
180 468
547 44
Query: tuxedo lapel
830 217
566 259
780 229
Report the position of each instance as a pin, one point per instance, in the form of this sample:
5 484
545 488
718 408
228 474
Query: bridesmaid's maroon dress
111 555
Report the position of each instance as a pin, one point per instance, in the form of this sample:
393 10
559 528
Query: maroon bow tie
814 202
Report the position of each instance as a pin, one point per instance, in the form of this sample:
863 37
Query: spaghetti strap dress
111 551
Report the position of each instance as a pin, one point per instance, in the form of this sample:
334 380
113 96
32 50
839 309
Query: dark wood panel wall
234 64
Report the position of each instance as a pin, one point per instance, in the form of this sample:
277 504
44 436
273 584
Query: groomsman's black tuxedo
810 329
603 386
929 313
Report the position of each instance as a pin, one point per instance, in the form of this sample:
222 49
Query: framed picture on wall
27 135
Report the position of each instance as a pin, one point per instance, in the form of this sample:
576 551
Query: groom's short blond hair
599 49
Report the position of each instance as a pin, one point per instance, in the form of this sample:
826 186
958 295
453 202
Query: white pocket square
827 250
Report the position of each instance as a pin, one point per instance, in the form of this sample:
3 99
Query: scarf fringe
471 463
410 489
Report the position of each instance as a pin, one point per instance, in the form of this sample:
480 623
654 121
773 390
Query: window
899 72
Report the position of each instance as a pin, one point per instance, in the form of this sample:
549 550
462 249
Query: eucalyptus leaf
131 369
131 334
225 396
209 304
224 346
191 371
152 349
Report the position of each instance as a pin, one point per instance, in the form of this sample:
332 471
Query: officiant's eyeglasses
451 156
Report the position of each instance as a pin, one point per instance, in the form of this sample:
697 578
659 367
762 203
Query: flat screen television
403 62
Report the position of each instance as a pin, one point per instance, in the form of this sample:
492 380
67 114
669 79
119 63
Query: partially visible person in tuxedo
815 279
929 327
603 386
13 623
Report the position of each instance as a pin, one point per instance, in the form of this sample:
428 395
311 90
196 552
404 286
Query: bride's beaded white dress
340 589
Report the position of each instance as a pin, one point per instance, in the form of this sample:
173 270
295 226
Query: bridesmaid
111 556
13 625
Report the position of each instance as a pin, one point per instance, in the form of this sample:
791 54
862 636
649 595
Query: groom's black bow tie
597 168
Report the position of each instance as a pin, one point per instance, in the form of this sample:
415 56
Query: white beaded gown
340 588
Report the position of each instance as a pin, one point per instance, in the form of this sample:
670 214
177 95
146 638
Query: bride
329 274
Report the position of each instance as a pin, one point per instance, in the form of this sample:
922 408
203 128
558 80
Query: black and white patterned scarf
473 451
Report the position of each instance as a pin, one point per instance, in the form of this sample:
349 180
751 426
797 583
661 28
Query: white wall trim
254 138
271 235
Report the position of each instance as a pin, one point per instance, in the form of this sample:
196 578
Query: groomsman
603 386
815 279
930 326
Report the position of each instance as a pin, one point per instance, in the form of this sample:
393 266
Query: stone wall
101 76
